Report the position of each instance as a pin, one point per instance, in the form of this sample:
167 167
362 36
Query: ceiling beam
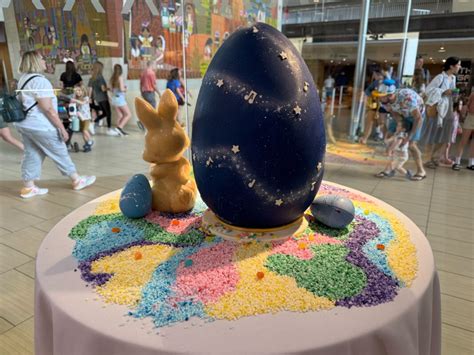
96 3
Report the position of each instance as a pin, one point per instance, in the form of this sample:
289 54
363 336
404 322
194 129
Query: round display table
70 317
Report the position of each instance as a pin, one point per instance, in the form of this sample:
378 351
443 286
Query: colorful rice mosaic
165 267
347 153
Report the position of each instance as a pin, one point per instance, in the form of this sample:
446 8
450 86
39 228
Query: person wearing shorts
467 129
407 107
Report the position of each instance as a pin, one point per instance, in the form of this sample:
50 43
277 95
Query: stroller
65 117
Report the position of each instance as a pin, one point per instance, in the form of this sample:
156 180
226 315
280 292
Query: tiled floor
442 206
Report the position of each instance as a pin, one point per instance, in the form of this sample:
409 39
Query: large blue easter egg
258 138
333 210
136 197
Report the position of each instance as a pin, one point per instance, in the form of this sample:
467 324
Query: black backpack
12 109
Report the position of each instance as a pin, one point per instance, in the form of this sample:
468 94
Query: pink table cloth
69 321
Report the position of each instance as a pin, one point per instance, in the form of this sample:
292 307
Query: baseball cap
386 88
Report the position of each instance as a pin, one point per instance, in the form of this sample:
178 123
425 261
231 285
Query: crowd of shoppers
430 114
45 134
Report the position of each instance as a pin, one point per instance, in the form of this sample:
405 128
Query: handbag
432 111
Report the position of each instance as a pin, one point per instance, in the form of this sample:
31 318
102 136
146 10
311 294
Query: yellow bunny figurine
165 142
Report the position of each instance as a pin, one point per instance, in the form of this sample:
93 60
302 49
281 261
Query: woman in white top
119 88
42 131
436 137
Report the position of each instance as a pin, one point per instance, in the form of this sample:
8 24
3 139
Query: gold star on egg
251 183
235 149
220 82
312 185
255 29
209 161
320 165
306 86
278 202
297 110
283 55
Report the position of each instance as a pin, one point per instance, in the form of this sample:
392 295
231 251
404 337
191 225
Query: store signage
463 78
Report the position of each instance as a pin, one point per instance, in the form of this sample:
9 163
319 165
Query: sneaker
117 131
122 132
92 129
86 148
470 167
409 175
112 132
83 182
456 167
32 192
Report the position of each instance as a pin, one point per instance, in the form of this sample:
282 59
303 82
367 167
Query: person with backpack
42 131
5 133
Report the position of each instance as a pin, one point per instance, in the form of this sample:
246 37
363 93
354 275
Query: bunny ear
146 113
168 107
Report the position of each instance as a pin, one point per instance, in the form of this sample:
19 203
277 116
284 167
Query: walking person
373 109
119 89
42 131
99 100
70 78
148 86
407 107
438 133
84 114
467 129
174 83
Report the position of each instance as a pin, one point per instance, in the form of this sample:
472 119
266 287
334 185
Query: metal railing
380 10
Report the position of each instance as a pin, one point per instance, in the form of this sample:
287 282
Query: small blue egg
136 197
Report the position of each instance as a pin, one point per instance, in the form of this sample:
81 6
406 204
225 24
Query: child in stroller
64 115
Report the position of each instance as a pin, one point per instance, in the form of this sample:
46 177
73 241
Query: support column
358 92
406 22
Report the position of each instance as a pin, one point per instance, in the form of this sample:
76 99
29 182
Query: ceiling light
444 60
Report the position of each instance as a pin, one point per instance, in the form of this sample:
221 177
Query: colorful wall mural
205 25
80 35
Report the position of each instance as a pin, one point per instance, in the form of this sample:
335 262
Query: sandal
432 164
384 175
446 161
418 177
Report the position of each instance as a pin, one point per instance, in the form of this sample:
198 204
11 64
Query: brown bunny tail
168 107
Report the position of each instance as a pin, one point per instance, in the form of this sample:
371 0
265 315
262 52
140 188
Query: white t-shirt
329 83
37 88
84 109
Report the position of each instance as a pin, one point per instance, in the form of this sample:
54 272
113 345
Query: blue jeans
149 97
411 121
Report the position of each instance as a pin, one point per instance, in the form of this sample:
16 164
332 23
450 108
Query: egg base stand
213 225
